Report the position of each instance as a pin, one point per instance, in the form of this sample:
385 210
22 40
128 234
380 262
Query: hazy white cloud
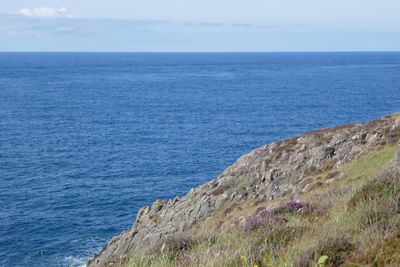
22 33
46 12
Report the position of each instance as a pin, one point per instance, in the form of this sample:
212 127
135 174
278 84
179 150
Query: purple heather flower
259 209
252 222
294 205
260 218
263 216
266 213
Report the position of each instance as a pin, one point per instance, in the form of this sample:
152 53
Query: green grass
369 165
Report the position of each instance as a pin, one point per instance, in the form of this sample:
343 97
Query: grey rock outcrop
275 170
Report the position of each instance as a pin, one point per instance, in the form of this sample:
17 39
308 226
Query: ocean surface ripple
86 139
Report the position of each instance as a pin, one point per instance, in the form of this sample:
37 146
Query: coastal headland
328 197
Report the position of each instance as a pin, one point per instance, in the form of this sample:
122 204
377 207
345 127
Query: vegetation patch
370 165
375 190
334 248
385 253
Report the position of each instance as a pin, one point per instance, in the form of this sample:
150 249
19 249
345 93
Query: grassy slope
354 221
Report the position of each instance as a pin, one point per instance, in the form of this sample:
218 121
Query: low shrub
386 252
388 184
335 248
264 217
178 244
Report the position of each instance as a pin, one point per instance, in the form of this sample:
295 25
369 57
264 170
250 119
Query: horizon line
199 52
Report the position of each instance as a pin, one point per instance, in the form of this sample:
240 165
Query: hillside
332 195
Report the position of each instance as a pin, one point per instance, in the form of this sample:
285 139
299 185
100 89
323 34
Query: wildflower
297 206
243 258
266 213
252 222
322 260
260 218
294 205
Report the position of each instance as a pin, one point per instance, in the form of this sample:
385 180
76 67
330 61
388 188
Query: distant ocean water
86 139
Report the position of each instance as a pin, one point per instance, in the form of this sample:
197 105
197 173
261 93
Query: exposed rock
396 125
339 139
158 205
281 169
221 199
329 152
272 174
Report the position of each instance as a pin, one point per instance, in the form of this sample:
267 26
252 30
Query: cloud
46 12
23 33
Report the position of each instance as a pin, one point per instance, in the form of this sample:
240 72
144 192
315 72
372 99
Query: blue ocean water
86 139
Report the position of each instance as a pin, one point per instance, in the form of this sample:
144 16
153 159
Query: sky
194 25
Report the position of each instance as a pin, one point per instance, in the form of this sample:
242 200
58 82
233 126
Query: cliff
279 176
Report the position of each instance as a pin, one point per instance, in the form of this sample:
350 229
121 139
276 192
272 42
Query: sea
86 139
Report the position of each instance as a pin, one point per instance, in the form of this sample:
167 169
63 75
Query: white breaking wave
72 261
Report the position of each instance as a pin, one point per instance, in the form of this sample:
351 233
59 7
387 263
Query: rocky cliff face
284 168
